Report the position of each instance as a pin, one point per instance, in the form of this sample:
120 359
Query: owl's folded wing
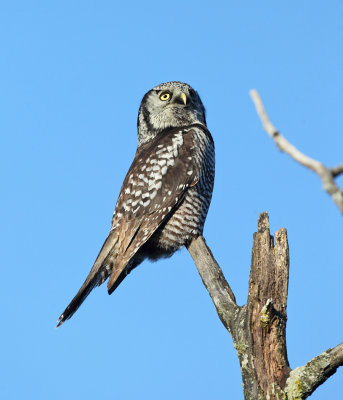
154 187
158 179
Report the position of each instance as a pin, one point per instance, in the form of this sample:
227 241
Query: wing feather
161 174
155 185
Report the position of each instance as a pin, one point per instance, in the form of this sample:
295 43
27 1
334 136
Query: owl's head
168 105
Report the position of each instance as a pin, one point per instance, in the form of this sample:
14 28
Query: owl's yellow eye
165 96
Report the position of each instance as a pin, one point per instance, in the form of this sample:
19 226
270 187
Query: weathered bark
266 307
214 281
258 328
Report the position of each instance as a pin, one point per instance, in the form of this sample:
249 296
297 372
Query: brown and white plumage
166 193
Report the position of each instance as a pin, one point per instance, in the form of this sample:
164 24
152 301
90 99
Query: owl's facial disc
169 105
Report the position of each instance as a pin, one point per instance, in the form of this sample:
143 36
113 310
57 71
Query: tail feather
99 273
119 274
81 295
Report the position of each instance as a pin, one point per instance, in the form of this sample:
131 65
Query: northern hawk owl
165 196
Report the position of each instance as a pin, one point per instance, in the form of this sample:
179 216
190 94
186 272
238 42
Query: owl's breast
187 221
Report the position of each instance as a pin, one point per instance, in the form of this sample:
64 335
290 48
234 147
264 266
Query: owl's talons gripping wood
325 174
258 328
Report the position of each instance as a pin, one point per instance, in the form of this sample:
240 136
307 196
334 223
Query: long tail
99 273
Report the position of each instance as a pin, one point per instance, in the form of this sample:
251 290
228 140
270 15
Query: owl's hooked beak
179 99
184 98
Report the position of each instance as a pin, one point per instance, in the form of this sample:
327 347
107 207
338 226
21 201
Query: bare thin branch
325 174
337 170
214 281
303 381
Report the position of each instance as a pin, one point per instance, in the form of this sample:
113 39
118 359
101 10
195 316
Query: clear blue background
72 74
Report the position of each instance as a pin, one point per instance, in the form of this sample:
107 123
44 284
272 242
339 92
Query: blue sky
72 75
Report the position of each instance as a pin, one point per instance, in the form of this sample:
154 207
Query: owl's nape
166 193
